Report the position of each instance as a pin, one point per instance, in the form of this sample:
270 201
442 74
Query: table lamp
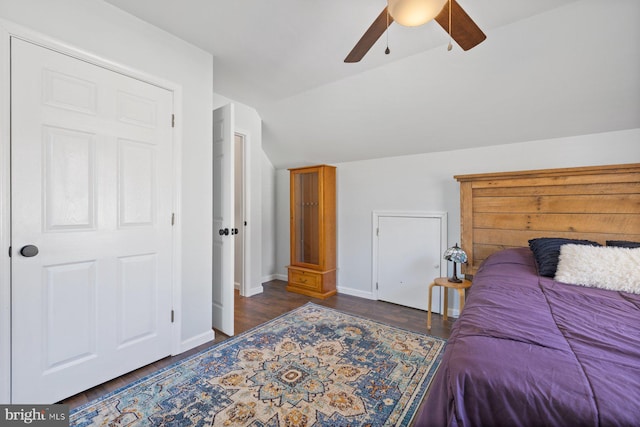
455 254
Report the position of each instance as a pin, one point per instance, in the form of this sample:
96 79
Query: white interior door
410 250
223 219
91 188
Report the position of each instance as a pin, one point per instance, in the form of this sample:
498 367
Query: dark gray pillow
623 243
546 251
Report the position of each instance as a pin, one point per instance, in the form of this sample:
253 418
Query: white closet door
409 258
91 188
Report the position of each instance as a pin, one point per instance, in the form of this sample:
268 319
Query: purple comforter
529 351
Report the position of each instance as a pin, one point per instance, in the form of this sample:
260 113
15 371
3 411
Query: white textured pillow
607 267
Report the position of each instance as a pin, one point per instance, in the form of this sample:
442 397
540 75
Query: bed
530 350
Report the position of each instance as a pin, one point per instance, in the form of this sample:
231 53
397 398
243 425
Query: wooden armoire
313 231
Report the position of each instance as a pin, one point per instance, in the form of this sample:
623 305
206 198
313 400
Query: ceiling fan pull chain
450 46
387 51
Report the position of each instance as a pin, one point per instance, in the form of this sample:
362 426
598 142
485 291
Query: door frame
9 30
405 214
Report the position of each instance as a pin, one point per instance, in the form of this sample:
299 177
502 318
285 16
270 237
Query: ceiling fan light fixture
411 13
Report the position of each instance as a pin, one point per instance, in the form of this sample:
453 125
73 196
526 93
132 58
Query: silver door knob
29 251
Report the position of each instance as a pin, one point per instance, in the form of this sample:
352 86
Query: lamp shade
455 254
412 13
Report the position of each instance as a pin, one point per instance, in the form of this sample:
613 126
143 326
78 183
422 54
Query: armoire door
91 198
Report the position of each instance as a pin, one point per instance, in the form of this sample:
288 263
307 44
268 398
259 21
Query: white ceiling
549 68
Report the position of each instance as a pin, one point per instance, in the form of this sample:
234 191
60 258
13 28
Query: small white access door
223 219
91 188
409 248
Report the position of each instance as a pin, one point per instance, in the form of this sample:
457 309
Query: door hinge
173 120
376 286
173 218
377 231
172 316
9 251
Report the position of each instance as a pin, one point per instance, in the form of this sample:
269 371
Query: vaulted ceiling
548 69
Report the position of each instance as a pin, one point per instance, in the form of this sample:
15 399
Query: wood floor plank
273 302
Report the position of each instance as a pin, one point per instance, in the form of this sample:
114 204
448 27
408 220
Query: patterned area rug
313 366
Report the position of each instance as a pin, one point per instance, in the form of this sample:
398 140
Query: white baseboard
275 276
197 340
268 278
254 291
355 292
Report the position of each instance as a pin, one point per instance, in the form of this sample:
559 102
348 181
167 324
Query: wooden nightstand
446 284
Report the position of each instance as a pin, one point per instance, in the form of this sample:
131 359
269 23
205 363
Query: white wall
269 235
425 182
282 242
249 123
109 33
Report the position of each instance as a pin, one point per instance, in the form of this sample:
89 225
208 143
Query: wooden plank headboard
502 210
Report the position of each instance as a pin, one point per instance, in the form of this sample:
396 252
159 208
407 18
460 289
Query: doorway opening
239 216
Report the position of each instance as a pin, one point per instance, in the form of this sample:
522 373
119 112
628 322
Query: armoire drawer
305 279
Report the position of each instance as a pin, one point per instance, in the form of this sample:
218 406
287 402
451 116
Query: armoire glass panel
307 218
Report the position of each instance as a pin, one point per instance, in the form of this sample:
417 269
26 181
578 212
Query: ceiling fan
412 13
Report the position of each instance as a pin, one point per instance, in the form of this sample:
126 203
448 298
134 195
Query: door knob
29 251
223 232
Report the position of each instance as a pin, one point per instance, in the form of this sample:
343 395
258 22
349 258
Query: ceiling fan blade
463 30
369 38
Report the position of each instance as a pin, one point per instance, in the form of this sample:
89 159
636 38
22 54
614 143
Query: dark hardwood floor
274 301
